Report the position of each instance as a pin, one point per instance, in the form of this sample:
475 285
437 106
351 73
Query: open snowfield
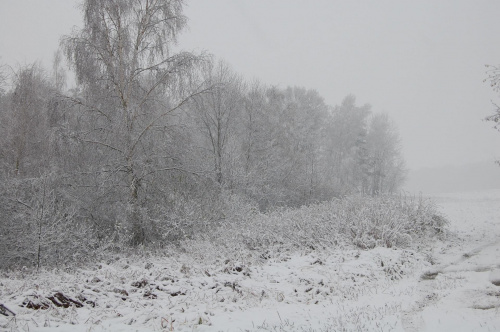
446 285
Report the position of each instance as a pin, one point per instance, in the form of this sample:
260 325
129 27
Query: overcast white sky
420 61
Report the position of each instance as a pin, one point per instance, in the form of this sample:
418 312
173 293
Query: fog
420 62
291 165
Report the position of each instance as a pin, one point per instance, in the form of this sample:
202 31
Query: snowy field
446 285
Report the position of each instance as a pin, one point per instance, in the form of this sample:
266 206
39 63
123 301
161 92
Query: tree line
145 146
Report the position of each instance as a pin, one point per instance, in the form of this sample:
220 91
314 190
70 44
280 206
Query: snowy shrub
388 220
40 226
168 212
183 214
365 222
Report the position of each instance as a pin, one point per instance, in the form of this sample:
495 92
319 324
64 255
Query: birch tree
217 113
131 81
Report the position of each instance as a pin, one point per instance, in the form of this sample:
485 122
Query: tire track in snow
411 319
443 268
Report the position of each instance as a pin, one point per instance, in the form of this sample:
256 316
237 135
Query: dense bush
359 221
40 226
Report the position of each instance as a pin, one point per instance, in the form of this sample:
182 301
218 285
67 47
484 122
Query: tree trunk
133 215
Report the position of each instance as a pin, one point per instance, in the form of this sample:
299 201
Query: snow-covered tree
345 150
131 82
25 118
387 167
217 113
493 73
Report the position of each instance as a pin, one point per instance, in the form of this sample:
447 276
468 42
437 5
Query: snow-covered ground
446 285
468 265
